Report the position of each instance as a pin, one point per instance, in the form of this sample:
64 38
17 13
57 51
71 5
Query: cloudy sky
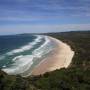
33 16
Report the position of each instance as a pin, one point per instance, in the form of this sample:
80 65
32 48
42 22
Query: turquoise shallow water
20 53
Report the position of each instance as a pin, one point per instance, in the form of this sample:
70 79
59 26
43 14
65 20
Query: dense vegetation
75 77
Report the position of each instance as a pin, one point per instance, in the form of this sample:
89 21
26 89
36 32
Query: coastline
59 58
61 78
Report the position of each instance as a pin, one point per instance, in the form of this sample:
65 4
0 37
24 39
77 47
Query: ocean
22 53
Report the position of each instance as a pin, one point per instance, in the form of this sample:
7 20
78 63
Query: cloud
18 16
44 7
42 28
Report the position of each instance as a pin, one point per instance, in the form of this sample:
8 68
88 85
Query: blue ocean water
21 53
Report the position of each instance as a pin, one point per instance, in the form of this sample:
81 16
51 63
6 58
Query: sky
38 16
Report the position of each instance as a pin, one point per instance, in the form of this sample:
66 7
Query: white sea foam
39 51
17 57
22 63
26 47
4 66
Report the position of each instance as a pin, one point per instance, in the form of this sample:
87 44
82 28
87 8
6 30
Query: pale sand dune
59 58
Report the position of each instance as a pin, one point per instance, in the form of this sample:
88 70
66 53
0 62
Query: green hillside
75 77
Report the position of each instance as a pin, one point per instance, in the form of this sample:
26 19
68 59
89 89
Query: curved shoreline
59 58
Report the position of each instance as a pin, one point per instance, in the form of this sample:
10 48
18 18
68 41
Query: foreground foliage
75 77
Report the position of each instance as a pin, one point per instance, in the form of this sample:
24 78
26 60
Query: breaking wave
26 47
22 63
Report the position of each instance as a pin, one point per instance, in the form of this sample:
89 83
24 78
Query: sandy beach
60 57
